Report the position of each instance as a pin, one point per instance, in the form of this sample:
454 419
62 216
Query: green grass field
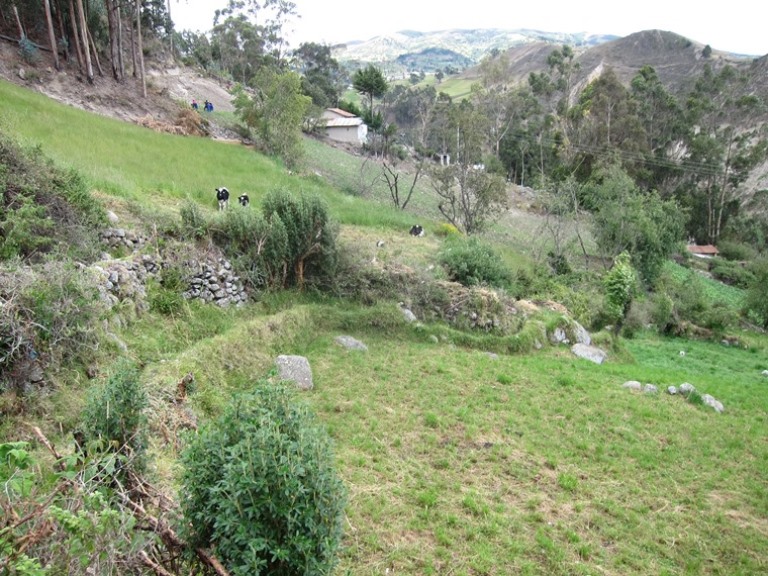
457 462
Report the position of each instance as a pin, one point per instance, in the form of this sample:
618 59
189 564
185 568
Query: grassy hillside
457 460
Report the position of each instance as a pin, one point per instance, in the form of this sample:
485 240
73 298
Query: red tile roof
704 249
341 112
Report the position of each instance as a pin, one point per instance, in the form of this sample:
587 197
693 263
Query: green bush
558 263
113 418
738 251
310 234
42 207
662 312
446 230
756 302
292 242
48 316
193 223
472 262
620 287
731 273
259 485
166 297
25 230
28 51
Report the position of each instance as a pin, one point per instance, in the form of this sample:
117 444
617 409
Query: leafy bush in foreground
259 485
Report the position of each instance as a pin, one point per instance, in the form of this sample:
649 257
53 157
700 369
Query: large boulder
295 369
590 353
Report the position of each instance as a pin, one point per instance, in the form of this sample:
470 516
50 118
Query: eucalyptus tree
275 110
322 77
661 116
720 155
248 35
555 88
605 123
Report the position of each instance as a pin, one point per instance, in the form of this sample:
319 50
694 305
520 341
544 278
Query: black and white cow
417 230
243 200
222 195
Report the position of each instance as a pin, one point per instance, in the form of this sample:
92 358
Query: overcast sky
738 26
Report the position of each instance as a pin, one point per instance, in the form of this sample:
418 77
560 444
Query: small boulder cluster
215 283
685 390
122 238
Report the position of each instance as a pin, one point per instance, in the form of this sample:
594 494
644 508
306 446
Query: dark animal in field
243 200
222 195
417 230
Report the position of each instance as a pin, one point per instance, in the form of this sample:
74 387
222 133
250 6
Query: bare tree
469 198
392 178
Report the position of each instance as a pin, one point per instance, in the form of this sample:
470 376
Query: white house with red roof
344 126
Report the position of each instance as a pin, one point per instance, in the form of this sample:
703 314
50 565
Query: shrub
28 51
259 485
756 302
193 222
637 319
620 286
48 316
113 418
446 230
310 235
736 250
558 263
663 312
731 273
25 230
472 262
43 207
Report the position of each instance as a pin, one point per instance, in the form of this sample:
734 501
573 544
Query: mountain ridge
476 43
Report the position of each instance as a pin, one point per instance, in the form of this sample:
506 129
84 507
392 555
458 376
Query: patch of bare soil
168 90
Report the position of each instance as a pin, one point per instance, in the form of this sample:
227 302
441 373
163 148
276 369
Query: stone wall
215 282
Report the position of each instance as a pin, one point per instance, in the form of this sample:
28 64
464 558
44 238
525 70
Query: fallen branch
16 41
47 444
154 566
171 539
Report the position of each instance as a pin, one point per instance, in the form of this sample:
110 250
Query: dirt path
167 90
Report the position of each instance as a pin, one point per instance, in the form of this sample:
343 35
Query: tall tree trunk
62 34
114 56
84 33
51 34
18 23
76 35
140 49
95 54
170 34
133 46
121 62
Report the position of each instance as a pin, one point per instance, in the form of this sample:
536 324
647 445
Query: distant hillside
470 46
432 59
677 60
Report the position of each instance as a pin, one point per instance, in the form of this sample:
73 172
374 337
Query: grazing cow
222 195
417 230
243 200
